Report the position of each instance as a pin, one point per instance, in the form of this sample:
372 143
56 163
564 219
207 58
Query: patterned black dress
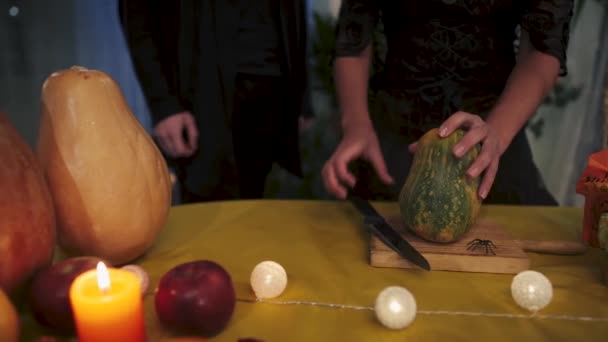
448 55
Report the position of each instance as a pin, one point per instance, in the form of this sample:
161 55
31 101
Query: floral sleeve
548 25
356 23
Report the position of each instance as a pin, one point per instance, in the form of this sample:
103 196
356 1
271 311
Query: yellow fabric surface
324 249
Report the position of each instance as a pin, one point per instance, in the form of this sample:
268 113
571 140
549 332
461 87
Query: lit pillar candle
107 306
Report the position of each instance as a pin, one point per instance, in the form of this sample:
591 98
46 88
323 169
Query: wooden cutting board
509 258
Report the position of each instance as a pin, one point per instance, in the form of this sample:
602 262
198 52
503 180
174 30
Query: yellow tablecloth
324 249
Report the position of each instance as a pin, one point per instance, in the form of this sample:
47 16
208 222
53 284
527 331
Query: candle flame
103 277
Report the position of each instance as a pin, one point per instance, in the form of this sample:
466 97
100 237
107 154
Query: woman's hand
478 131
359 141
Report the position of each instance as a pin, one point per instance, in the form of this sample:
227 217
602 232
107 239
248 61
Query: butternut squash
109 181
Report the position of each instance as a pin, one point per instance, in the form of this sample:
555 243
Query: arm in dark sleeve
154 59
548 25
356 24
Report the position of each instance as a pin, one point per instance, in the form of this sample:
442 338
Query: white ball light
531 290
395 307
141 274
268 279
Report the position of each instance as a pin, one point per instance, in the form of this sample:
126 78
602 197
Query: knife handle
561 247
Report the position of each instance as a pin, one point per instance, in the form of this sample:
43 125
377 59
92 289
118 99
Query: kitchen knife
378 225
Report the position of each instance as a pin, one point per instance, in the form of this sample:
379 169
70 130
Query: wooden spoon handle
562 247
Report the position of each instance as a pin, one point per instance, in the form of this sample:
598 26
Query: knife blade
378 225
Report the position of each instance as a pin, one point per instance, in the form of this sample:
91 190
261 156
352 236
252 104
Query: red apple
49 294
195 297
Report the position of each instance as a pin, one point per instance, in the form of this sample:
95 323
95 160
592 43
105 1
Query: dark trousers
259 109
518 181
400 118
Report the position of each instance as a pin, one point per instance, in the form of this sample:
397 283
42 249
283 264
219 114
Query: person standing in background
226 83
449 64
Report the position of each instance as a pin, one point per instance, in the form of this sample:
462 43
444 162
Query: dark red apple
49 294
195 297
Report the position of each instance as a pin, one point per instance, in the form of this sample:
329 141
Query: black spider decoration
487 244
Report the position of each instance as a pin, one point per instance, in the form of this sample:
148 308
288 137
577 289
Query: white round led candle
395 307
268 279
141 274
531 290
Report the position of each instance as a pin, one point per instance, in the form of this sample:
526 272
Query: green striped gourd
438 201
